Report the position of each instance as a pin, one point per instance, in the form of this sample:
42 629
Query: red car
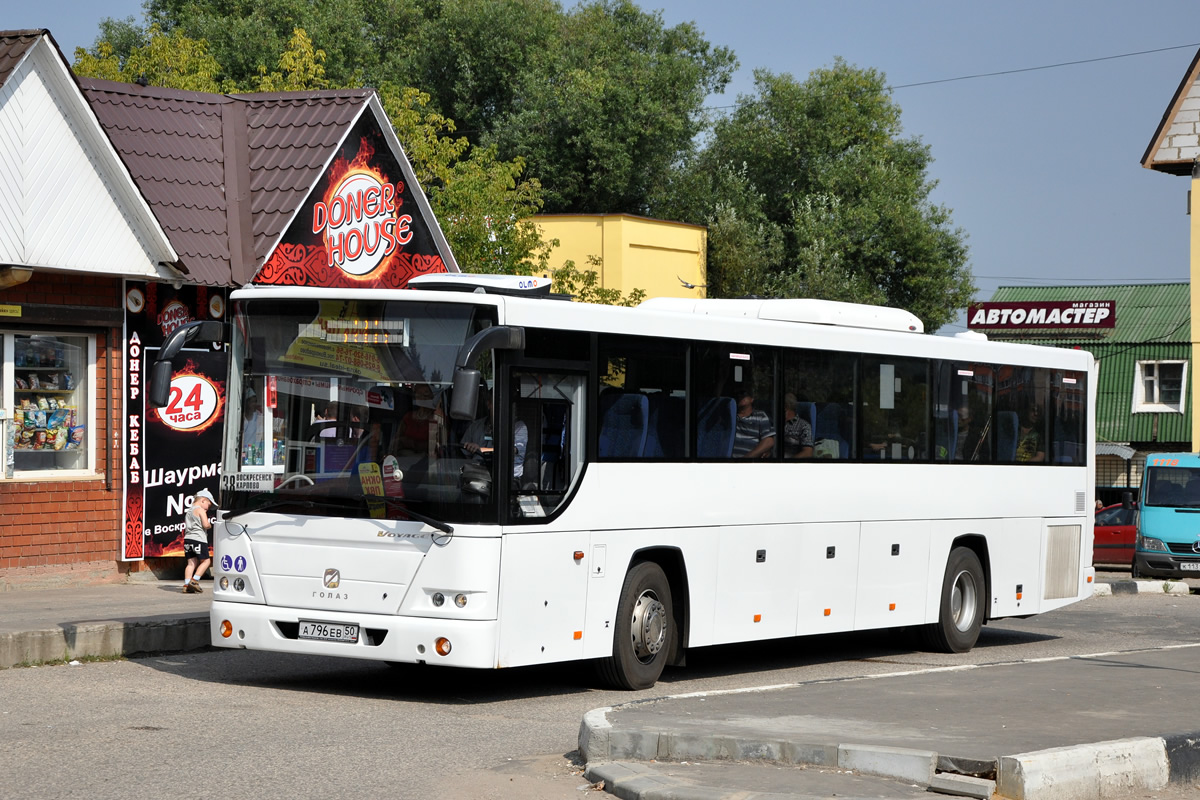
1116 528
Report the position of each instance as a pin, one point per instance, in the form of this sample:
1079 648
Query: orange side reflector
226 629
1018 595
758 617
579 555
578 635
828 611
1089 578
891 606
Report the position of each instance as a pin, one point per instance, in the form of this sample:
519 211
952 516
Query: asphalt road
276 726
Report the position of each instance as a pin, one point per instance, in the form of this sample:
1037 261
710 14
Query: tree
301 67
482 203
826 176
612 102
170 60
246 36
584 285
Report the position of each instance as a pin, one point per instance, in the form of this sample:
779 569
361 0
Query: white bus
645 481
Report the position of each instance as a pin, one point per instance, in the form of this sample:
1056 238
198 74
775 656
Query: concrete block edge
1078 772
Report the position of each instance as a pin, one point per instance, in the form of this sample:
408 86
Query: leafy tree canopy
810 190
600 101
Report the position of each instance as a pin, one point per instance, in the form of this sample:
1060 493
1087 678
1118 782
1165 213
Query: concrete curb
1079 772
1159 586
104 639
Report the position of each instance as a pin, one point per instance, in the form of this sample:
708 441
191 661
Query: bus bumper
400 639
1147 564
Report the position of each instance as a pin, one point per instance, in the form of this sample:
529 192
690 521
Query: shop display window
48 400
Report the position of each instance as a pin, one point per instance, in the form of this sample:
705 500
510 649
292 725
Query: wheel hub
649 628
963 601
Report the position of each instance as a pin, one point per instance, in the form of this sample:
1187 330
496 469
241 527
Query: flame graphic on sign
190 370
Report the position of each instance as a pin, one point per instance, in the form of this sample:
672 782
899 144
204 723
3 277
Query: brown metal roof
224 174
13 47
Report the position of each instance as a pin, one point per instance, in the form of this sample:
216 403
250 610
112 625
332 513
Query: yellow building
661 258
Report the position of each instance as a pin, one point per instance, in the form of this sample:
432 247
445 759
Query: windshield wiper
444 527
292 501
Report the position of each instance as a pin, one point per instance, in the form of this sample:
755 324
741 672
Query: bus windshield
1172 486
343 410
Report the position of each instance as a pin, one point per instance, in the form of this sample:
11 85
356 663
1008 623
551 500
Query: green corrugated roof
1153 324
1156 312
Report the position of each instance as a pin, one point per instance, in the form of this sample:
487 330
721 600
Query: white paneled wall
65 201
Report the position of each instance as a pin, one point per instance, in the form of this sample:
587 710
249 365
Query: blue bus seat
623 427
829 426
715 427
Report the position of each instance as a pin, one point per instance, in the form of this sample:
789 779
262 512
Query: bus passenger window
741 378
822 385
962 411
1021 426
1068 416
894 399
643 397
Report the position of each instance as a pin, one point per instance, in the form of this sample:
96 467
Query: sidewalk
118 619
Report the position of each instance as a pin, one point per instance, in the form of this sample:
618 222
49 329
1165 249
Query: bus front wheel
644 627
961 611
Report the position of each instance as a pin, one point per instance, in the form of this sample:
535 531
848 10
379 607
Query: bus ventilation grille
1079 502
1062 562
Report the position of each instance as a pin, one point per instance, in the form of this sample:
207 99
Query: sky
1041 168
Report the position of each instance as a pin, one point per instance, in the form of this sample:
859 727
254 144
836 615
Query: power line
1021 69
1045 66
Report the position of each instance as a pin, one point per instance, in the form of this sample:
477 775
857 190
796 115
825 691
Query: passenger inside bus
477 439
754 436
1030 447
421 430
797 428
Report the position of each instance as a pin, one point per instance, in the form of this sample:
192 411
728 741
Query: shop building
1174 149
126 212
1140 336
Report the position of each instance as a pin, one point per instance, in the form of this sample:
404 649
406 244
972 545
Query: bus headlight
1147 543
239 584
437 599
224 583
460 600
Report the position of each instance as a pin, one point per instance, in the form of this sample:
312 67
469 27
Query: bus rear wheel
961 611
644 629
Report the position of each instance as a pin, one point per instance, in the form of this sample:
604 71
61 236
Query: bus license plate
1193 566
328 631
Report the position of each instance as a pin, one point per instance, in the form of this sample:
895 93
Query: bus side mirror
1126 499
465 397
160 383
205 332
466 379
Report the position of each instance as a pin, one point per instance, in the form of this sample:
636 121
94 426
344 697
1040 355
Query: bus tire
644 629
961 611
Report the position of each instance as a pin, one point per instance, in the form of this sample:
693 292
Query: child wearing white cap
195 540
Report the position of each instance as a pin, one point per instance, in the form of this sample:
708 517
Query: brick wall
55 529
